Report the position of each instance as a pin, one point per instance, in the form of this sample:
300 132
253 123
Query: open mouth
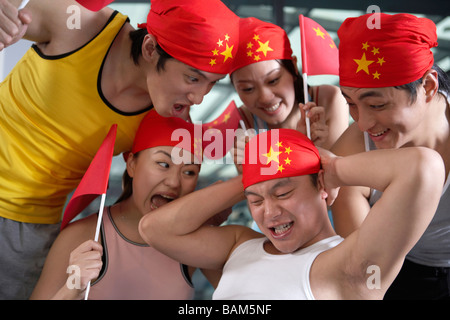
159 200
378 134
281 230
179 108
272 108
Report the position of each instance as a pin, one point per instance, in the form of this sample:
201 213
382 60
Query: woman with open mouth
89 68
121 265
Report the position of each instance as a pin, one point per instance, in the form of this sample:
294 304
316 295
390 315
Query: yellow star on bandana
363 64
271 156
227 53
264 47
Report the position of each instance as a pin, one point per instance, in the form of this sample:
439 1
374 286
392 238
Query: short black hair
443 80
137 38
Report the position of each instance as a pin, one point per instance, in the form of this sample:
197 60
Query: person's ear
430 83
294 60
149 47
131 164
321 184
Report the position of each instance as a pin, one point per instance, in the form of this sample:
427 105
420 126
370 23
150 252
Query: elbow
427 171
145 229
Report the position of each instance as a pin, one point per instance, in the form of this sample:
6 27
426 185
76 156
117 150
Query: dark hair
127 184
137 38
443 80
314 179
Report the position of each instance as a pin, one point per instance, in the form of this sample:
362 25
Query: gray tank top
433 248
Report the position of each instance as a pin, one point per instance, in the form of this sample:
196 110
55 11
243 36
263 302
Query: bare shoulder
77 232
62 26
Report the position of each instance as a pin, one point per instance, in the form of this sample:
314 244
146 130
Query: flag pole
305 96
97 234
304 71
23 4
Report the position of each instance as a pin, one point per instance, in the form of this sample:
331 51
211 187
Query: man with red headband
398 98
299 255
63 96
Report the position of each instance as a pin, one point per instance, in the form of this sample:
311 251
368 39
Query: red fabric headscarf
155 130
397 53
279 153
260 41
201 33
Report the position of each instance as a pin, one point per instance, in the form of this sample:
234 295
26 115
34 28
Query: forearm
187 214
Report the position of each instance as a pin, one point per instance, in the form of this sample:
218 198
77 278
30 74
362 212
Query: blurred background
329 14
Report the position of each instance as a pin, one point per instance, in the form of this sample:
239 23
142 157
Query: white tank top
253 274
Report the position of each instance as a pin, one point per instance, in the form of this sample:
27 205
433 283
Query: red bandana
397 53
279 153
260 41
201 33
155 130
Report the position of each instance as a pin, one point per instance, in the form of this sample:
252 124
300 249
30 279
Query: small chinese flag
217 140
94 5
319 52
95 179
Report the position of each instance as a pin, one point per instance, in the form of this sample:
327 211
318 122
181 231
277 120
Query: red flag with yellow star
319 52
218 135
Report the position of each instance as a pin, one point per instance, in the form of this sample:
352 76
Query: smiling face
388 115
157 180
291 212
267 89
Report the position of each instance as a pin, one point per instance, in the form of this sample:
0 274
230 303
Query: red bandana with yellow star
279 153
260 41
201 33
397 53
155 130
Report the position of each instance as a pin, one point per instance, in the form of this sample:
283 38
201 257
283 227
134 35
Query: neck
124 83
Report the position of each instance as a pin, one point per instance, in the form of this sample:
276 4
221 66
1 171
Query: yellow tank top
53 118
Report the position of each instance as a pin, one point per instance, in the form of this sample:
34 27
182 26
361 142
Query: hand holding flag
319 54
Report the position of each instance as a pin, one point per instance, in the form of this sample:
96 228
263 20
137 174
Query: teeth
378 134
167 197
273 108
283 228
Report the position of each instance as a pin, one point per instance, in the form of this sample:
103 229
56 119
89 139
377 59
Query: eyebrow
266 75
364 94
272 189
200 73
164 152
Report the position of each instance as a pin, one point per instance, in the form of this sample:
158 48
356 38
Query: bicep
350 209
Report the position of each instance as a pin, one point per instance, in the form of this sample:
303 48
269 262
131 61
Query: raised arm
352 204
63 25
177 229
411 180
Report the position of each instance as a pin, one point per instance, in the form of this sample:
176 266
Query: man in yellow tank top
60 100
